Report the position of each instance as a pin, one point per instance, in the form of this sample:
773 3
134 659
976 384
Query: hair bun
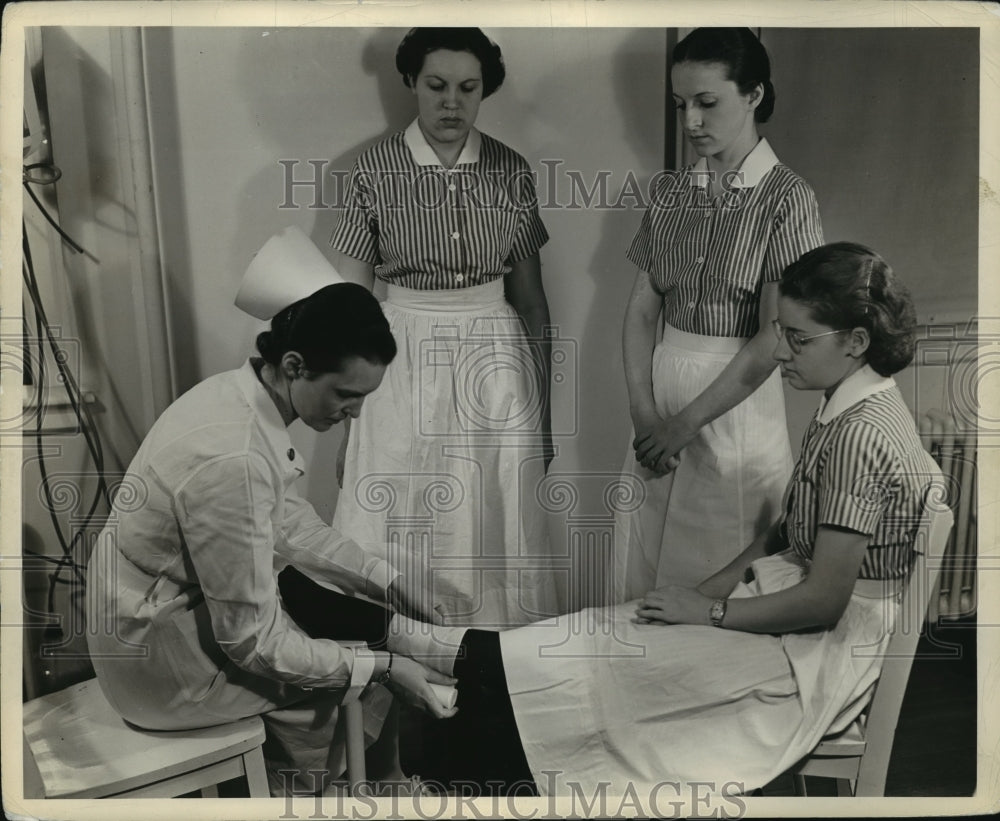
265 345
338 321
766 107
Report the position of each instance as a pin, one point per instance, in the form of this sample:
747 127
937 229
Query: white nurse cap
288 268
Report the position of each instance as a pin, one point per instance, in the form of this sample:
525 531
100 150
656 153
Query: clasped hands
673 604
658 441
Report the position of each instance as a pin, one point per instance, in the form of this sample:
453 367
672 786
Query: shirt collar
423 154
752 170
271 423
859 385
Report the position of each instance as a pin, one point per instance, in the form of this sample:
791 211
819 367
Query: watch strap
717 612
386 674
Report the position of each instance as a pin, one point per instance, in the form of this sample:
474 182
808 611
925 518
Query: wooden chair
77 746
858 757
353 717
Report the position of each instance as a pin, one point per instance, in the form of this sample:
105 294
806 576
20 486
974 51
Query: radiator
955 452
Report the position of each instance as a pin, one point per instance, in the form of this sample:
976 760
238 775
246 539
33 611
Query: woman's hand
644 423
674 604
658 442
411 680
412 600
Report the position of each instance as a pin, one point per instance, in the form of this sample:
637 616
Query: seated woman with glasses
730 683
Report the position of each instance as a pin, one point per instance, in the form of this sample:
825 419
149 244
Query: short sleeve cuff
839 509
639 259
532 236
639 251
355 241
800 232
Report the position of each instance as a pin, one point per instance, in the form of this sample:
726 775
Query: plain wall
884 125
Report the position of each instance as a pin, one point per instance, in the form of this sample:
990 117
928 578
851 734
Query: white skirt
599 698
443 463
728 487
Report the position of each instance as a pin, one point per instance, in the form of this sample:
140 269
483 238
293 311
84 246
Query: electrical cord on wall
52 174
39 418
88 427
44 334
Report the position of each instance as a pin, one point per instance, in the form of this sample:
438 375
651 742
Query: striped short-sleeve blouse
428 227
709 257
862 467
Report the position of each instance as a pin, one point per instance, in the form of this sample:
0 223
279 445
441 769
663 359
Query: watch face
717 612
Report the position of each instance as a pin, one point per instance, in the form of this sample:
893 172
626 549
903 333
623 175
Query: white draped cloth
599 698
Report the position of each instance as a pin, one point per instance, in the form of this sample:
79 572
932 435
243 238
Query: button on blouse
426 227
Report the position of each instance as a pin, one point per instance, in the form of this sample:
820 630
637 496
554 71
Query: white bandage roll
446 694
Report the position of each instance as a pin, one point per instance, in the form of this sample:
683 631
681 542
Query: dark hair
846 285
420 42
739 50
336 323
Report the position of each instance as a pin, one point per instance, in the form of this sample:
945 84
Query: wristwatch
383 679
717 612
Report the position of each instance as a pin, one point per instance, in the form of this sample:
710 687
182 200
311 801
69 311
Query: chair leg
845 788
799 781
256 773
353 716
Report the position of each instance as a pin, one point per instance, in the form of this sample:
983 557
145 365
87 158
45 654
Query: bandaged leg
452 749
431 644
323 613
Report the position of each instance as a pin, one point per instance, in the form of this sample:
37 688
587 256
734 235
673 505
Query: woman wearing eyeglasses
710 441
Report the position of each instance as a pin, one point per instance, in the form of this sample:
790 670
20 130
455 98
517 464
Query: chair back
883 712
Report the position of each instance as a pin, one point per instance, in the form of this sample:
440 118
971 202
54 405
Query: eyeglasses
796 340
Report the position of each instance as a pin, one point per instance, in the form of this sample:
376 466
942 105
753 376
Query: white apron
728 487
598 698
442 465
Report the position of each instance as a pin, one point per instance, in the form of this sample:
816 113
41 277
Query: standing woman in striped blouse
446 455
710 445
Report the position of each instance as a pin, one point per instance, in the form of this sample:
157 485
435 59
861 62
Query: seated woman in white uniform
188 628
734 681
